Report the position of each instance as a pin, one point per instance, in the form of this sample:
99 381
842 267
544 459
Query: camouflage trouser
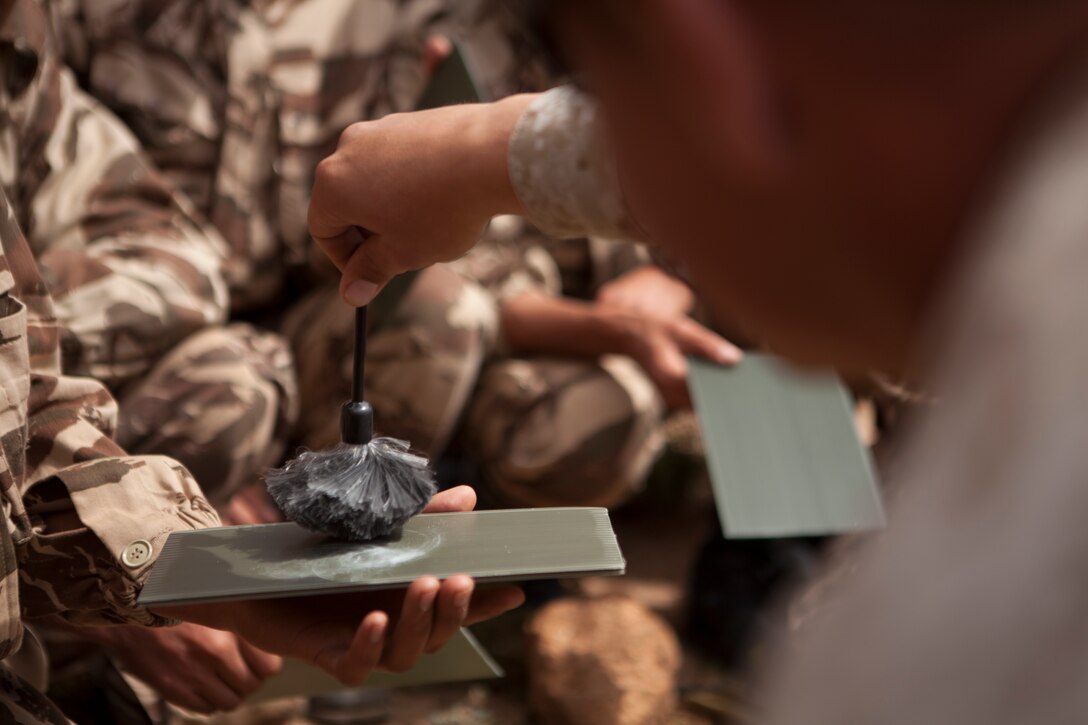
562 432
421 364
222 402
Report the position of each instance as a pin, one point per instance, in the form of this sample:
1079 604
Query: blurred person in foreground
894 186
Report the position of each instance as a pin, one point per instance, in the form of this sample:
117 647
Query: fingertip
459 498
426 584
271 665
360 292
428 591
461 588
463 498
374 626
356 664
461 581
515 598
436 50
728 354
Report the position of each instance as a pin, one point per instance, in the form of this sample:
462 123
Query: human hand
412 189
661 346
435 50
351 635
250 506
198 668
648 290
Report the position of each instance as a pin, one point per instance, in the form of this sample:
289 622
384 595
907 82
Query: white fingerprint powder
346 562
363 559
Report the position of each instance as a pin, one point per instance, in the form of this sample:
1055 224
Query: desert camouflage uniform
422 363
140 294
56 455
544 431
554 431
549 431
237 102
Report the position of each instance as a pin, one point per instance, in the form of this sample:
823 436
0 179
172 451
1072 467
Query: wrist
216 616
619 330
101 636
489 144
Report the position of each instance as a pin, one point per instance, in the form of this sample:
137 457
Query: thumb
669 361
436 50
695 339
368 269
459 498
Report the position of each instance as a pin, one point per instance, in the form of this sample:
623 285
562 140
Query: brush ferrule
356 423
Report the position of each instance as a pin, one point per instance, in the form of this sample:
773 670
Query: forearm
424 185
101 517
537 324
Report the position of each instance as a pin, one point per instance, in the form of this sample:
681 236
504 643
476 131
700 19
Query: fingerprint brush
365 487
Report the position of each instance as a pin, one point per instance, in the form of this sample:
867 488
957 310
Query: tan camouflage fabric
438 374
23 704
131 269
139 287
564 432
585 264
422 364
56 455
236 102
543 431
222 403
557 431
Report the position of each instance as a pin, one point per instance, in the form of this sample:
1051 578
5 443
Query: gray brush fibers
354 492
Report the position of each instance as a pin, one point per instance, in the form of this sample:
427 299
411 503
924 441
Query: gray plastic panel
463 659
784 457
280 560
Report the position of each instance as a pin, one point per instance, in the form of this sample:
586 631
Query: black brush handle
358 370
357 417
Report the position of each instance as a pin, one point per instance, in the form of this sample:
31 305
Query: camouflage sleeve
126 507
131 269
510 260
562 170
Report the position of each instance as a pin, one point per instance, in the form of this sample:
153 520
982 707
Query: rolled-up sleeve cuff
128 507
562 169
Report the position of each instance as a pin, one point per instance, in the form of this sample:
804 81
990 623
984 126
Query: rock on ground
607 661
